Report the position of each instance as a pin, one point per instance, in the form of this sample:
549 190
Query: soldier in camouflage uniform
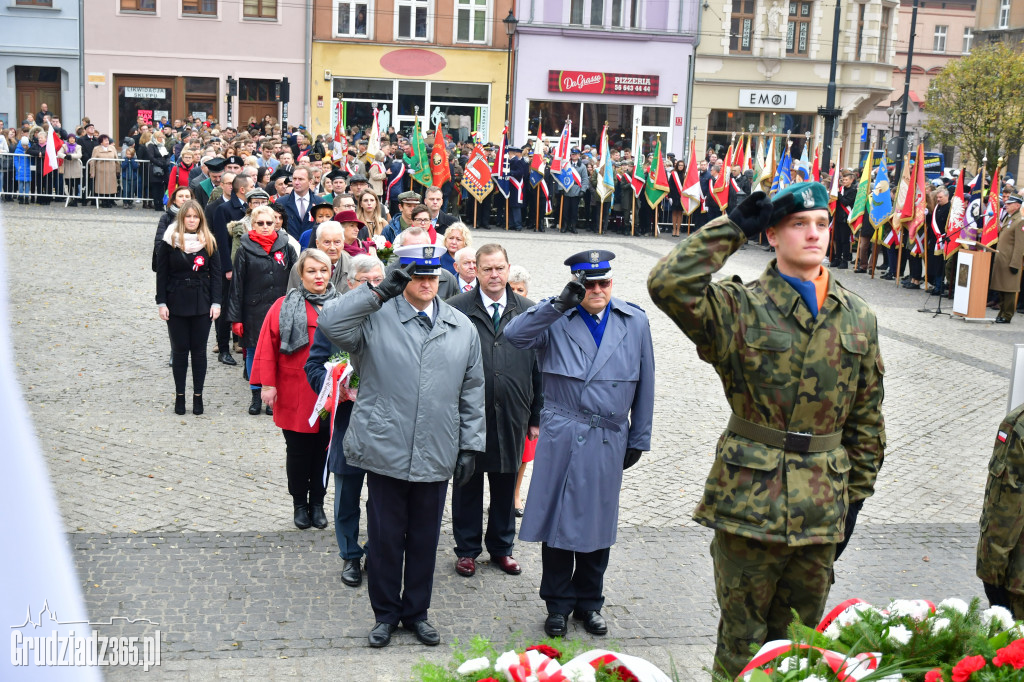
1001 547
799 360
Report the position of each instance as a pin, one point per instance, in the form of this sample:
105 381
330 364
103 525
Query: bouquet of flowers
340 385
909 640
384 248
541 663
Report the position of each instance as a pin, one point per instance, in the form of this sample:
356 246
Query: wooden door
30 96
257 110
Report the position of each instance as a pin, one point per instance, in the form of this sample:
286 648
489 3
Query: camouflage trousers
758 584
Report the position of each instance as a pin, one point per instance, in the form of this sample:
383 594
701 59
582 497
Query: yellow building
450 62
763 66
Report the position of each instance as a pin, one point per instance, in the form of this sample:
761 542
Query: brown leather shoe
465 566
507 564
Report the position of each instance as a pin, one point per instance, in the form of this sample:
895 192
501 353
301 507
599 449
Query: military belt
791 441
593 420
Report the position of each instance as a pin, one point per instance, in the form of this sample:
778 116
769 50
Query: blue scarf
807 292
596 328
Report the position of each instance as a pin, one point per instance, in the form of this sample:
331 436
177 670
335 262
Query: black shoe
197 403
351 573
226 358
593 622
556 625
843 265
859 271
269 411
425 632
302 520
888 276
245 372
317 516
911 285
256 404
179 403
380 635
1002 320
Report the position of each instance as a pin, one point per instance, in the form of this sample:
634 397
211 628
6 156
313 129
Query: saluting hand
753 214
572 295
394 284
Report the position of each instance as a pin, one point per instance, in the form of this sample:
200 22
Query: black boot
317 516
302 520
256 404
270 411
179 403
197 403
226 358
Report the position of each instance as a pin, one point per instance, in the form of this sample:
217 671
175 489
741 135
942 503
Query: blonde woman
188 291
456 237
369 211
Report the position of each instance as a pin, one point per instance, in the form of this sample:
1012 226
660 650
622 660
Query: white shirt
302 203
599 315
429 310
463 284
489 304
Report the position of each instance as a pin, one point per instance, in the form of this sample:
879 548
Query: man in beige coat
1009 258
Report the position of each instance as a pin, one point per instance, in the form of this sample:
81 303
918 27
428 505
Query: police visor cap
596 264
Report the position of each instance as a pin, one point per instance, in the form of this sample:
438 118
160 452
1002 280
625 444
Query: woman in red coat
278 367
179 173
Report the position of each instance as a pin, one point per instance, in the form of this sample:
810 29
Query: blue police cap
427 258
596 264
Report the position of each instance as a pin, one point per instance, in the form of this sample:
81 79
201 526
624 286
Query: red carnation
387 245
487 679
624 675
963 670
549 651
934 675
1012 654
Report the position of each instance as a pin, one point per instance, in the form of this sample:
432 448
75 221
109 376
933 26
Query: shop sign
97 78
147 116
598 83
146 93
161 113
767 99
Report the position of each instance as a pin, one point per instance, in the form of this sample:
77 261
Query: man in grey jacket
417 421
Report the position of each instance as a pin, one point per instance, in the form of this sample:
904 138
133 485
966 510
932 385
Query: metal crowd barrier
22 179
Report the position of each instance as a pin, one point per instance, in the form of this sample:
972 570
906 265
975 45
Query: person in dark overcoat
260 276
597 359
513 400
188 297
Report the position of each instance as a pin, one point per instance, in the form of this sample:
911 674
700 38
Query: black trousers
565 587
306 455
572 211
189 335
841 246
403 524
467 515
223 326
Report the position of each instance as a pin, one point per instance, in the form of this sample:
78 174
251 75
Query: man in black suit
433 199
297 204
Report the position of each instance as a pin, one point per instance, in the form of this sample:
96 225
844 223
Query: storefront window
201 86
458 92
723 124
657 116
134 102
619 118
363 88
551 116
412 94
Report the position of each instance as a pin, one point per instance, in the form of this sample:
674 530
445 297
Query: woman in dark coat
261 267
675 181
188 280
279 367
41 184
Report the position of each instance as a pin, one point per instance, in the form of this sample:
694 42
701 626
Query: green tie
496 317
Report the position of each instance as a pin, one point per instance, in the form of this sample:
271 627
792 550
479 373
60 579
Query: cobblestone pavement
186 520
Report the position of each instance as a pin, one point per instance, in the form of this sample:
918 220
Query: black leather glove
632 457
394 284
851 523
572 295
1014 271
465 465
753 214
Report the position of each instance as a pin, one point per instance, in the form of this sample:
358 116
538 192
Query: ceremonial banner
990 232
420 162
657 180
692 194
881 206
440 171
560 164
537 162
955 224
500 169
720 188
860 204
605 170
477 175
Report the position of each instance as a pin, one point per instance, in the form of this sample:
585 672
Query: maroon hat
348 217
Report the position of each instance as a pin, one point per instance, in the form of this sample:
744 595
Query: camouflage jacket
1001 546
784 369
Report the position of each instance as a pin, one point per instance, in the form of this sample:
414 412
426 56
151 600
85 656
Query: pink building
173 58
945 31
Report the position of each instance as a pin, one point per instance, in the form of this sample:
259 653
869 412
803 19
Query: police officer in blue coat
597 360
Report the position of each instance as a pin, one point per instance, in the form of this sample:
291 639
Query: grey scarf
294 332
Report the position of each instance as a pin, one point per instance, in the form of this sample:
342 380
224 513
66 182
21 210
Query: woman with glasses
261 267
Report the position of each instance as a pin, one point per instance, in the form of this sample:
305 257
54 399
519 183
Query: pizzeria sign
598 83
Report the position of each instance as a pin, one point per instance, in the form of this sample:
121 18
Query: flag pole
632 212
506 214
537 212
600 217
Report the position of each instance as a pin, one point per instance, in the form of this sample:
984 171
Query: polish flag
53 145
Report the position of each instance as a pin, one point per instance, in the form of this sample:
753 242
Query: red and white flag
53 145
691 194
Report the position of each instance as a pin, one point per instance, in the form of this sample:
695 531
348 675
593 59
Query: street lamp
510 30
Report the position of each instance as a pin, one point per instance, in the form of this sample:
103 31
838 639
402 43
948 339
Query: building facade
945 31
762 67
40 60
155 58
591 62
443 60
999 20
